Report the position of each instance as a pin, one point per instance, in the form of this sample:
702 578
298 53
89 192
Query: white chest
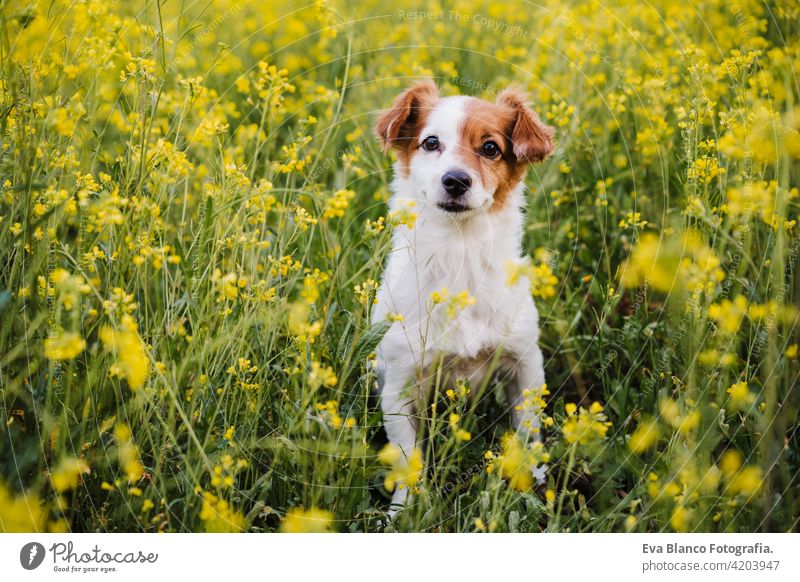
450 286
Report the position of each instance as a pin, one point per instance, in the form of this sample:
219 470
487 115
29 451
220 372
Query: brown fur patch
484 121
399 126
522 138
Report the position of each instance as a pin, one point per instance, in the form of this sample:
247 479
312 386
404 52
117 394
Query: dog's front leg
528 377
398 403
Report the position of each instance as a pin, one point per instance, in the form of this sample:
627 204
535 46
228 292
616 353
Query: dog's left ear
531 140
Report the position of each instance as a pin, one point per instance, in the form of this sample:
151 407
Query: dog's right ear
396 125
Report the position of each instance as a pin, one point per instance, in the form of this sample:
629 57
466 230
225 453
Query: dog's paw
399 500
539 473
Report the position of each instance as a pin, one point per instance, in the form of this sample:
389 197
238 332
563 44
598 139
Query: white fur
465 251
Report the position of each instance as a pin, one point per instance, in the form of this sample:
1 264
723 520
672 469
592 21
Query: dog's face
462 154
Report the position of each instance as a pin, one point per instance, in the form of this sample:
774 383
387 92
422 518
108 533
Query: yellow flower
704 169
365 291
311 286
644 437
67 474
741 397
337 204
670 411
712 357
404 472
689 422
633 220
132 362
298 315
462 435
322 376
679 263
459 433
439 296
457 302
515 270
671 414
21 513
128 454
746 482
299 520
64 345
681 519
516 462
730 461
741 480
543 281
587 426
302 218
751 199
791 351
310 291
220 516
69 287
375 228
227 285
729 314
390 454
32 40
403 215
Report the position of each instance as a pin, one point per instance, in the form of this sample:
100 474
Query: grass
194 220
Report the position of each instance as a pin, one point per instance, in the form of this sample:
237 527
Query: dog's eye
490 149
430 143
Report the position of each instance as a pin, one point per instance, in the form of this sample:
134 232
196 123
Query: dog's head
461 154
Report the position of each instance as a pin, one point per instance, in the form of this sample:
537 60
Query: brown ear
396 125
531 140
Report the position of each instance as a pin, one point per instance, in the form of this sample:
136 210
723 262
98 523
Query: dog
461 163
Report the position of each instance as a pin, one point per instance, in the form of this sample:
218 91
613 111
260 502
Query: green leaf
370 340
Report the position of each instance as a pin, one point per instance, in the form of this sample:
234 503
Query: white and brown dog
461 163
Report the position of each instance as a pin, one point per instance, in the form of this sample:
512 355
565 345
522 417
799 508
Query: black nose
456 183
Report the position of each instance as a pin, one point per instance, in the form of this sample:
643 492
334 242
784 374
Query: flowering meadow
194 224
